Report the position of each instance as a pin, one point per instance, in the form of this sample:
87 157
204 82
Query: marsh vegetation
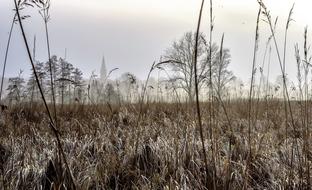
196 127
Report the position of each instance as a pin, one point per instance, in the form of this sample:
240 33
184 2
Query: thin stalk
211 94
299 75
267 88
229 171
279 59
268 16
54 130
284 58
141 99
306 101
6 56
262 78
34 49
50 65
253 78
284 71
251 95
33 86
197 92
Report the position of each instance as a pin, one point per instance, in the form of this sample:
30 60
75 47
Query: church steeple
103 73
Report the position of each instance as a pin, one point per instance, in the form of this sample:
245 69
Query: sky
133 34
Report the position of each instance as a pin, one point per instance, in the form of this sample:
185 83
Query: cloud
132 34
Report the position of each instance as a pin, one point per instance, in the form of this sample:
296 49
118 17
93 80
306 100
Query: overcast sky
131 34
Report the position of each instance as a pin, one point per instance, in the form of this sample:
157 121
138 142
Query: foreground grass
100 146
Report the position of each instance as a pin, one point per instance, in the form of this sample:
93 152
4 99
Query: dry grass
100 146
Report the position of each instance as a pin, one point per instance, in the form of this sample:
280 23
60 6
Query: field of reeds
256 141
105 150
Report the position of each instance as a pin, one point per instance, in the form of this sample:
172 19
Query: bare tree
32 85
181 62
16 88
65 74
221 75
129 85
181 57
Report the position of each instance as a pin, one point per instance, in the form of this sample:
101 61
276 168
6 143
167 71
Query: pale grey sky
132 34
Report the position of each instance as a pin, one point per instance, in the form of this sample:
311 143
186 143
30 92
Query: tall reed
267 15
197 93
142 97
6 55
289 19
269 20
44 6
253 72
211 95
229 131
52 125
284 59
262 77
307 64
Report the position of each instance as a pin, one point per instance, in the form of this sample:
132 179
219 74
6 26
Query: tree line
70 86
68 82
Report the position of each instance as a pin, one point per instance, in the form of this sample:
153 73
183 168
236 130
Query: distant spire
103 73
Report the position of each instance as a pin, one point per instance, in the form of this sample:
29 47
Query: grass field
106 151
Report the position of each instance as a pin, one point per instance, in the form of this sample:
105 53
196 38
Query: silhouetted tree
221 75
16 88
64 79
78 83
55 70
181 62
129 85
181 57
32 86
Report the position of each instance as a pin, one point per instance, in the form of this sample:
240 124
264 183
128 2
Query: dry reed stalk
55 131
267 86
306 136
262 77
269 20
253 71
44 6
289 19
211 95
6 56
230 134
197 92
46 18
292 120
142 97
284 59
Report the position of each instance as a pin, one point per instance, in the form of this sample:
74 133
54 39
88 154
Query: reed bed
100 147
